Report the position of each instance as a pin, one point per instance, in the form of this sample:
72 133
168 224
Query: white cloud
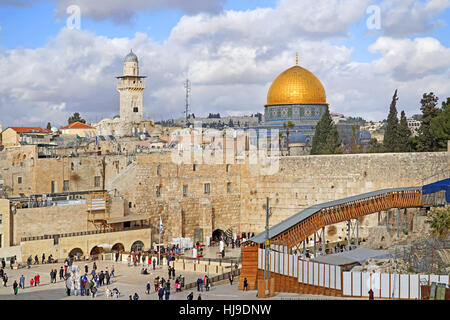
410 17
123 11
407 59
230 58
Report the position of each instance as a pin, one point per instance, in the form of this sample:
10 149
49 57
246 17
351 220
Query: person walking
230 277
29 261
112 272
156 284
93 291
167 290
170 272
245 284
15 287
61 273
108 278
208 283
22 282
190 296
43 258
161 293
173 273
199 296
154 262
371 297
136 296
147 287
86 268
31 282
5 279
117 256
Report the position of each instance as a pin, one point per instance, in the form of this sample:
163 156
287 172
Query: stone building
130 86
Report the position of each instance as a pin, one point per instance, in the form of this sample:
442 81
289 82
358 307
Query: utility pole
266 268
187 86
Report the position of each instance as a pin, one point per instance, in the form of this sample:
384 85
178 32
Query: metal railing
81 233
220 277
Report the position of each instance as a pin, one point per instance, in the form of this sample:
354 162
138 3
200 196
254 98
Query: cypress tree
426 142
326 137
390 140
440 126
403 133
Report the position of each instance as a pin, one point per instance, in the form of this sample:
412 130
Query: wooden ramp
249 267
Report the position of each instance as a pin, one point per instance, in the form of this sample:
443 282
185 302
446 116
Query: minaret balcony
137 85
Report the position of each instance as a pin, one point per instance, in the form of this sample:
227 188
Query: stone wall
299 183
32 222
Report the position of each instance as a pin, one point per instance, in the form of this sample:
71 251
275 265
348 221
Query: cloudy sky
62 56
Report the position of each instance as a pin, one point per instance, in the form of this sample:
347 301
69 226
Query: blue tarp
438 186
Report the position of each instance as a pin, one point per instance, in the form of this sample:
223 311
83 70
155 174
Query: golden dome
296 85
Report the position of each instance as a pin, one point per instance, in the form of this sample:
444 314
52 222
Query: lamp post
266 268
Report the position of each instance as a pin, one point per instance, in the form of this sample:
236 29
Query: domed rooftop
296 85
131 57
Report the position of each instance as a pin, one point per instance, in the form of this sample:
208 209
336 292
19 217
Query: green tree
426 142
439 220
404 133
390 139
326 137
440 126
375 146
76 118
287 126
49 126
354 147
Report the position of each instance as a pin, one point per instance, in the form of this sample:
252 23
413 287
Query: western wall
299 183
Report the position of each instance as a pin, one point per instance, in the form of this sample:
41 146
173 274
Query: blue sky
258 36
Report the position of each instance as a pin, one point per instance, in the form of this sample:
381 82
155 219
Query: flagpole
159 242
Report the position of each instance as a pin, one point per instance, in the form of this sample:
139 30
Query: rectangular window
1 219
96 181
194 168
66 186
54 187
19 180
229 187
135 109
207 188
130 204
228 168
158 170
185 190
158 191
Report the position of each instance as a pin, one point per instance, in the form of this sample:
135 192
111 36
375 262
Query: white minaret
131 88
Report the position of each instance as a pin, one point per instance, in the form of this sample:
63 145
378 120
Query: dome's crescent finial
296 58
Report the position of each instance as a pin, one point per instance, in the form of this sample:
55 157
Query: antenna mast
187 86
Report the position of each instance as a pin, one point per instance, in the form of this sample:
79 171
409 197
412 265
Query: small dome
131 57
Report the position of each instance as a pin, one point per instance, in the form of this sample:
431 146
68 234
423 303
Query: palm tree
439 221
287 126
280 137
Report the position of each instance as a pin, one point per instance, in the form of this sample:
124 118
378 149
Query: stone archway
137 246
118 247
75 251
217 235
96 252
